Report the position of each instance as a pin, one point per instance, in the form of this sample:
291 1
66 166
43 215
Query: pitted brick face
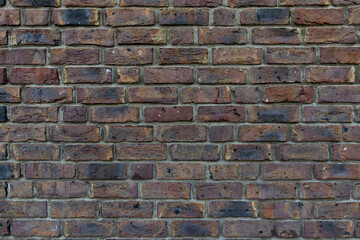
179 119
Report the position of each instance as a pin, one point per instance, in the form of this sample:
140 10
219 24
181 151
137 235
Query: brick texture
179 119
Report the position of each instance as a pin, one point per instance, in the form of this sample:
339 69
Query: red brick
242 171
282 55
89 228
142 228
197 228
224 17
60 189
168 114
25 3
153 95
235 56
300 94
197 3
328 229
182 35
338 171
25 114
127 209
87 75
49 170
346 2
211 36
22 189
180 210
98 37
142 36
129 17
74 133
22 56
128 75
74 114
288 229
75 17
180 171
276 36
23 209
346 152
226 190
150 3
114 114
10 17
3 37
319 16
184 16
311 152
142 152
89 3
39 228
35 152
141 171
330 74
340 55
264 75
176 75
181 133
221 133
166 190
250 3
114 190
38 76
22 133
101 95
74 56
325 190
331 35
287 210
88 152
276 190
36 17
286 171
222 75
248 94
221 114
248 228
335 94
206 95
304 2
128 133
354 14
188 152
74 209
309 133
169 56
49 37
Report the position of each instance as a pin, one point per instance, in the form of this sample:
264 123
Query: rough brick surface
179 119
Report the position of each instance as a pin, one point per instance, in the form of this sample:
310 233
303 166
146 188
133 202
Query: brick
22 133
181 133
114 114
346 2
351 133
210 36
356 193
75 17
198 228
35 152
47 95
354 15
196 3
301 94
4 227
60 189
98 37
221 114
221 133
335 94
87 75
22 189
274 114
153 95
330 75
49 170
166 190
247 152
74 114
286 171
74 133
226 190
265 16
264 75
224 17
10 17
128 75
331 35
304 2
88 152
325 190
127 209
242 171
180 209
168 114
337 210
319 16
3 152
281 55
150 3
142 36
248 94
38 76
137 152
278 190
3 114
128 134
222 75
74 209
206 95
89 3
169 56
23 209
248 228
142 228
36 3
3 37
22 56
39 228
141 171
40 37
180 171
287 210
10 170
129 17
345 152
129 56
102 171
265 133
233 209
310 152
328 229
182 35
34 114
276 35
188 152
169 75
89 228
250 3
235 56
308 133
36 17
288 229
74 56
340 55
114 190
184 16
3 189
337 171
101 95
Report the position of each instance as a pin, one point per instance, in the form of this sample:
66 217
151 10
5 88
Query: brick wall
179 119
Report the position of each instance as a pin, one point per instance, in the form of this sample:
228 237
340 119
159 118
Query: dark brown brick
180 171
181 133
88 152
319 16
128 133
274 114
89 228
235 56
153 95
75 17
265 75
227 190
49 170
286 171
233 209
169 75
10 170
276 35
265 16
206 95
328 113
309 133
74 56
328 229
102 171
151 36
22 189
249 152
141 171
287 210
98 37
337 171
198 228
39 228
49 37
35 152
276 190
23 209
142 228
311 152
169 56
127 209
180 210
166 190
130 17
74 133
248 228
137 152
87 75
242 171
276 55
221 133
74 114
168 114
264 133
34 114
184 16
60 189
113 190
325 190
188 152
74 209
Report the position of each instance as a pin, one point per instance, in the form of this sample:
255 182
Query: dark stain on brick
3 114
236 209
272 116
270 15
104 171
7 171
189 229
76 16
42 3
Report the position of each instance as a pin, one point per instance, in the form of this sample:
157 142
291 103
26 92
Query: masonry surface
179 119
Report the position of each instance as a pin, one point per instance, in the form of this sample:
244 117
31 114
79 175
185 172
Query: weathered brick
128 75
60 189
288 229
242 171
88 152
346 2
325 190
50 37
3 152
221 114
309 133
166 190
351 133
340 55
335 94
49 170
248 94
248 228
265 16
74 114
127 209
168 114
265 133
180 171
330 75
328 229
251 3
3 39
354 15
143 228
4 227
10 170
345 152
128 56
221 133
35 152
169 75
184 16
265 75
141 171
114 114
311 152
129 17
183 56
150 3
48 95
74 133
197 3
21 189
142 152
89 228
39 228
36 17
304 2
153 95
181 133
128 133
75 17
222 75
36 3
249 152
287 210
74 56
182 35
102 171
3 190
331 35
210 36
276 190
282 55
197 228
10 17
235 56
338 171
286 171
319 16
26 114
226 190
153 36
224 17
180 210
301 94
89 3
22 56
274 114
233 209
206 95
38 76
114 190
276 36
98 37
101 95
74 209
22 133
188 152
87 75
23 209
